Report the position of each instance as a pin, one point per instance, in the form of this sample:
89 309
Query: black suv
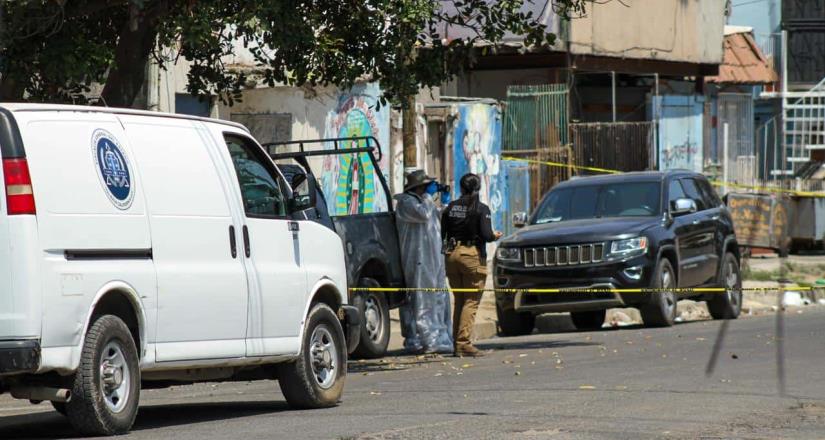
635 230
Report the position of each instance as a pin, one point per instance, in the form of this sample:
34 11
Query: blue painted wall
680 131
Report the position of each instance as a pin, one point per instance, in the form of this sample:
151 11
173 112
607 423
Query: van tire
92 410
299 380
375 314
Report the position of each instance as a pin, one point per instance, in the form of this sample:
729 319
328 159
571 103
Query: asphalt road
625 383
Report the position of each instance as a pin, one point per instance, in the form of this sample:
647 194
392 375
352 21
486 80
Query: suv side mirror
519 219
682 206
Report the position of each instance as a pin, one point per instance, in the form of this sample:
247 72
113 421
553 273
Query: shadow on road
53 425
503 344
395 360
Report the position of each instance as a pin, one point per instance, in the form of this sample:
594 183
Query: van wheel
513 323
727 305
375 321
661 310
588 320
106 386
316 378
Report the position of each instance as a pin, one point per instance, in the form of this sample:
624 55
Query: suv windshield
636 199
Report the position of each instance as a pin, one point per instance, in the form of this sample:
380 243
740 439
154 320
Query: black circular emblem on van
113 169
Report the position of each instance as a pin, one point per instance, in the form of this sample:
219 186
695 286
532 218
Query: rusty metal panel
760 220
622 146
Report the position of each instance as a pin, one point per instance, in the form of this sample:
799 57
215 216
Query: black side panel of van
11 143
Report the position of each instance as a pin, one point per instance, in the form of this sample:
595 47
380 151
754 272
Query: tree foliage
54 50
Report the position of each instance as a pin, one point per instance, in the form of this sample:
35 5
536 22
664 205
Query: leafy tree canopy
56 50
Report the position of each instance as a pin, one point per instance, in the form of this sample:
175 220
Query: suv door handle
233 247
247 251
697 221
715 217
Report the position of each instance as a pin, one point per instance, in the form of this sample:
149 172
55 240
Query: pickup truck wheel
59 407
316 378
661 310
512 323
106 386
727 305
588 320
375 321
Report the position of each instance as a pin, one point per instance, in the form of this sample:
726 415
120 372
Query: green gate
536 129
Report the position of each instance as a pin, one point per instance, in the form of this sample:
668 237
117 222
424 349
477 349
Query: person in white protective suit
425 317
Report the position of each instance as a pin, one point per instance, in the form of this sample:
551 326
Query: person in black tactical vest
466 229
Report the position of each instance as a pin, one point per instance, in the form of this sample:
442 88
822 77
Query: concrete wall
673 30
494 83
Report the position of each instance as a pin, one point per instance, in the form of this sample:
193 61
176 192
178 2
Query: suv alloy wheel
727 305
661 310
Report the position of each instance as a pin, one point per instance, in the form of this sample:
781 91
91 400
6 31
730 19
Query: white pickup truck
140 249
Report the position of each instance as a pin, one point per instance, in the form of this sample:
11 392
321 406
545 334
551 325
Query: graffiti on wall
682 156
477 146
350 181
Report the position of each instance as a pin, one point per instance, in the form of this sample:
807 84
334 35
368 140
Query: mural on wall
477 146
349 181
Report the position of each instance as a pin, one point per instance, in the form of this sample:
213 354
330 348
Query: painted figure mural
350 182
477 138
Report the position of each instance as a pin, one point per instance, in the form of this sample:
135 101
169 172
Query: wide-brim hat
417 178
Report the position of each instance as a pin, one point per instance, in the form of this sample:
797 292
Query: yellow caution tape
713 182
562 165
770 189
573 290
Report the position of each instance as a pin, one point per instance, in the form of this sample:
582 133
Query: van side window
262 193
692 191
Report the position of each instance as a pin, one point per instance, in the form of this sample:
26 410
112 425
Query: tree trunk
127 76
408 121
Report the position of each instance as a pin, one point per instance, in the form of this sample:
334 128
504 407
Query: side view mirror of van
682 207
304 193
520 219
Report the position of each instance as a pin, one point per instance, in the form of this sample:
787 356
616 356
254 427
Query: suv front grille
564 255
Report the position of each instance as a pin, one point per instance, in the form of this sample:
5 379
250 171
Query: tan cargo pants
465 270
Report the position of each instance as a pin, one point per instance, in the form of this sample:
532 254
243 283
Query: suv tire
512 323
375 321
592 320
105 404
727 305
661 310
316 378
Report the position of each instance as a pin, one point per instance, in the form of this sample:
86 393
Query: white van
145 249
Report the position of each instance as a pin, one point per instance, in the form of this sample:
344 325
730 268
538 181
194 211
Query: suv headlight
631 246
508 254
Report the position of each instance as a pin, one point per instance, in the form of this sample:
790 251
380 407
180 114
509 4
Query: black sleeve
485 226
444 221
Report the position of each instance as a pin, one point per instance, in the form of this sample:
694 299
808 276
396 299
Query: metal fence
535 127
623 146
